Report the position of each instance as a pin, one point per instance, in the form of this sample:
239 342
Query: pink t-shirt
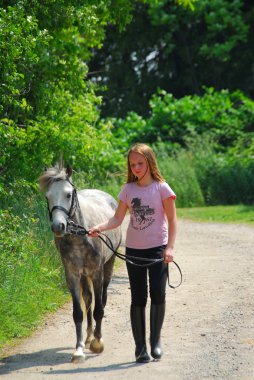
148 225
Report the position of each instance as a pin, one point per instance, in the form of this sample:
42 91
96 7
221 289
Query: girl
151 234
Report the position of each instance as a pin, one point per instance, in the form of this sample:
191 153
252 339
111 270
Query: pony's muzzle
58 228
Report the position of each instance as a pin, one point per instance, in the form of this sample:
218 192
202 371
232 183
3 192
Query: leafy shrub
225 116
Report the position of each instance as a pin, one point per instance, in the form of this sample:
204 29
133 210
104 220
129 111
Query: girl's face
138 164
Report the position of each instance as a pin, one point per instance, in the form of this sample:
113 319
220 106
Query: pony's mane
51 175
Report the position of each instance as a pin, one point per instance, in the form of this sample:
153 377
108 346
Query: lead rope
80 230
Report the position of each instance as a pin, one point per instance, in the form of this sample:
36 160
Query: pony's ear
69 171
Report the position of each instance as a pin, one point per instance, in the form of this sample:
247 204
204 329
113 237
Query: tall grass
181 176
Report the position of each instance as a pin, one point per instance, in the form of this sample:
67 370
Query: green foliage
187 3
178 50
225 116
19 43
48 106
225 25
226 29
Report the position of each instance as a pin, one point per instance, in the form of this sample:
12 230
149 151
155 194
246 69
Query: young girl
151 234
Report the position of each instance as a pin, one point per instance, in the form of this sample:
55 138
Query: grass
225 214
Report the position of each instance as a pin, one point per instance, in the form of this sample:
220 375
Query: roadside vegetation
219 214
32 279
53 104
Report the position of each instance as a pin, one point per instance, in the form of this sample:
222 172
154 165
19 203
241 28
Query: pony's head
61 197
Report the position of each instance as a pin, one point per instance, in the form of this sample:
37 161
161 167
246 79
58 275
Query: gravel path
208 331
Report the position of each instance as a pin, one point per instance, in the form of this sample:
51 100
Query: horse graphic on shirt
142 213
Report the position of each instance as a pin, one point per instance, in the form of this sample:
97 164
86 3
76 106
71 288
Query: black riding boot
157 313
138 324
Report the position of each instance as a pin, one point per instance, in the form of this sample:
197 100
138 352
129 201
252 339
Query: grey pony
87 261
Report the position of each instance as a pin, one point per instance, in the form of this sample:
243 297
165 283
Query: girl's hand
168 255
93 232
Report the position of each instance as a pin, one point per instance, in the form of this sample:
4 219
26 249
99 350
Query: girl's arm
170 211
111 223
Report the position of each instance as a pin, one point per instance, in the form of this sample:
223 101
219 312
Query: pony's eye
68 195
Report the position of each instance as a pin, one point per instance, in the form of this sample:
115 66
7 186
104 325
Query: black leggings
138 277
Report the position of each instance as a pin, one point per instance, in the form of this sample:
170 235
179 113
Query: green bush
225 116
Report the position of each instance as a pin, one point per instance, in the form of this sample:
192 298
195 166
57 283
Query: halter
74 203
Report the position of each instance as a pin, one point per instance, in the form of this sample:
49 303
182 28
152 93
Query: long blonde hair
149 155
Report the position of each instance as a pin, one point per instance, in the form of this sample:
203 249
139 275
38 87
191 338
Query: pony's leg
87 287
97 345
100 290
75 289
108 270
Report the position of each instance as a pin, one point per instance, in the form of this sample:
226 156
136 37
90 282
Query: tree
176 49
47 104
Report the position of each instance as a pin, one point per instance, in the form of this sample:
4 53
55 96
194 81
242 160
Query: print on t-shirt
141 215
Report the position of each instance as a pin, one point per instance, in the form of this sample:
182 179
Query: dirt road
208 332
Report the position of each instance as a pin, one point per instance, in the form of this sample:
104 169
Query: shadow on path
54 357
48 357
107 368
